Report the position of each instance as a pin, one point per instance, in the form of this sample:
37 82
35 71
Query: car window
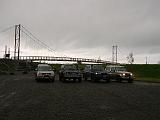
107 69
112 69
44 68
97 67
70 67
120 69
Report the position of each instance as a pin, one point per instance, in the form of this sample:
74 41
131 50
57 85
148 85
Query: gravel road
22 98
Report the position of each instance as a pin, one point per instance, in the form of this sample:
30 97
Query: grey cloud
68 25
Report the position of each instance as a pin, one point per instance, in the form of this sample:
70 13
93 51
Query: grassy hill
147 72
144 72
7 65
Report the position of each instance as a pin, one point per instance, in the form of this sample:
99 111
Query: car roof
68 64
43 65
114 66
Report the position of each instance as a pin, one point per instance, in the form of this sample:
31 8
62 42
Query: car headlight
39 74
122 74
96 73
131 74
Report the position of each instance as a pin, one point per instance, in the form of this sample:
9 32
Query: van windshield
44 68
120 69
97 67
70 67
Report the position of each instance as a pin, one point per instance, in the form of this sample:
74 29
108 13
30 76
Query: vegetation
7 65
147 72
142 72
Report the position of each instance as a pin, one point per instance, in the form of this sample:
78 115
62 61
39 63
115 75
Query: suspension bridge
23 45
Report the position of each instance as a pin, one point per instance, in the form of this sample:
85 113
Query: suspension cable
29 34
7 29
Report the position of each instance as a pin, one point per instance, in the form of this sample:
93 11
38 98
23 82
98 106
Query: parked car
95 73
70 72
119 73
44 72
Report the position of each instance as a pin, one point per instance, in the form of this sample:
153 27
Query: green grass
7 65
142 72
145 72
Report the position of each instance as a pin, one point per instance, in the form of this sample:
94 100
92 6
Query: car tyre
130 81
37 80
80 80
85 77
108 80
52 80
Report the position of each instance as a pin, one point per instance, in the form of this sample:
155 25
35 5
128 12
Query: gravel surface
22 98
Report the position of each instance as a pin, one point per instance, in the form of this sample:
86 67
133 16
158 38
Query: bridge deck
51 58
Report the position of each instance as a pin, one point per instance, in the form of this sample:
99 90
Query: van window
44 68
121 69
112 69
97 67
108 69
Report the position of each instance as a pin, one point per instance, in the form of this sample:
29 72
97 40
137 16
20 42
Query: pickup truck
119 73
70 72
95 73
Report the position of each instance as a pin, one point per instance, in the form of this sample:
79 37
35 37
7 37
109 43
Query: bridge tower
114 54
17 41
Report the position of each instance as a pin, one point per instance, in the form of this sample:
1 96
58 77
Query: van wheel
93 79
108 80
80 80
119 80
63 79
130 81
37 80
52 80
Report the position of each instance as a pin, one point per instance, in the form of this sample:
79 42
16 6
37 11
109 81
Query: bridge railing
51 58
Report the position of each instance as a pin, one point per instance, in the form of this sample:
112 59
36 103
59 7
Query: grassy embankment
142 72
7 66
145 72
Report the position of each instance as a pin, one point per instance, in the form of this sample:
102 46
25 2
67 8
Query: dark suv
95 73
119 73
70 72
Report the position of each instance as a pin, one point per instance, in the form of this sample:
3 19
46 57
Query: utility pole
146 60
114 54
17 41
9 51
5 51
7 54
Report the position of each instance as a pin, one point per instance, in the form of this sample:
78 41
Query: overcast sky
89 28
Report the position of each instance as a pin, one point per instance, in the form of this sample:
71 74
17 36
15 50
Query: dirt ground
22 98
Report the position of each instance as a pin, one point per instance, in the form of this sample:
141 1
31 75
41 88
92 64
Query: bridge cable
29 34
7 29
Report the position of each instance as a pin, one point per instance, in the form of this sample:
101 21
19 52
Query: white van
44 72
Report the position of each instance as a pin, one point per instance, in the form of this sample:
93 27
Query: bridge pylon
17 41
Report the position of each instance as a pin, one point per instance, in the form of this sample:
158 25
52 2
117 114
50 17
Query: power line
7 29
